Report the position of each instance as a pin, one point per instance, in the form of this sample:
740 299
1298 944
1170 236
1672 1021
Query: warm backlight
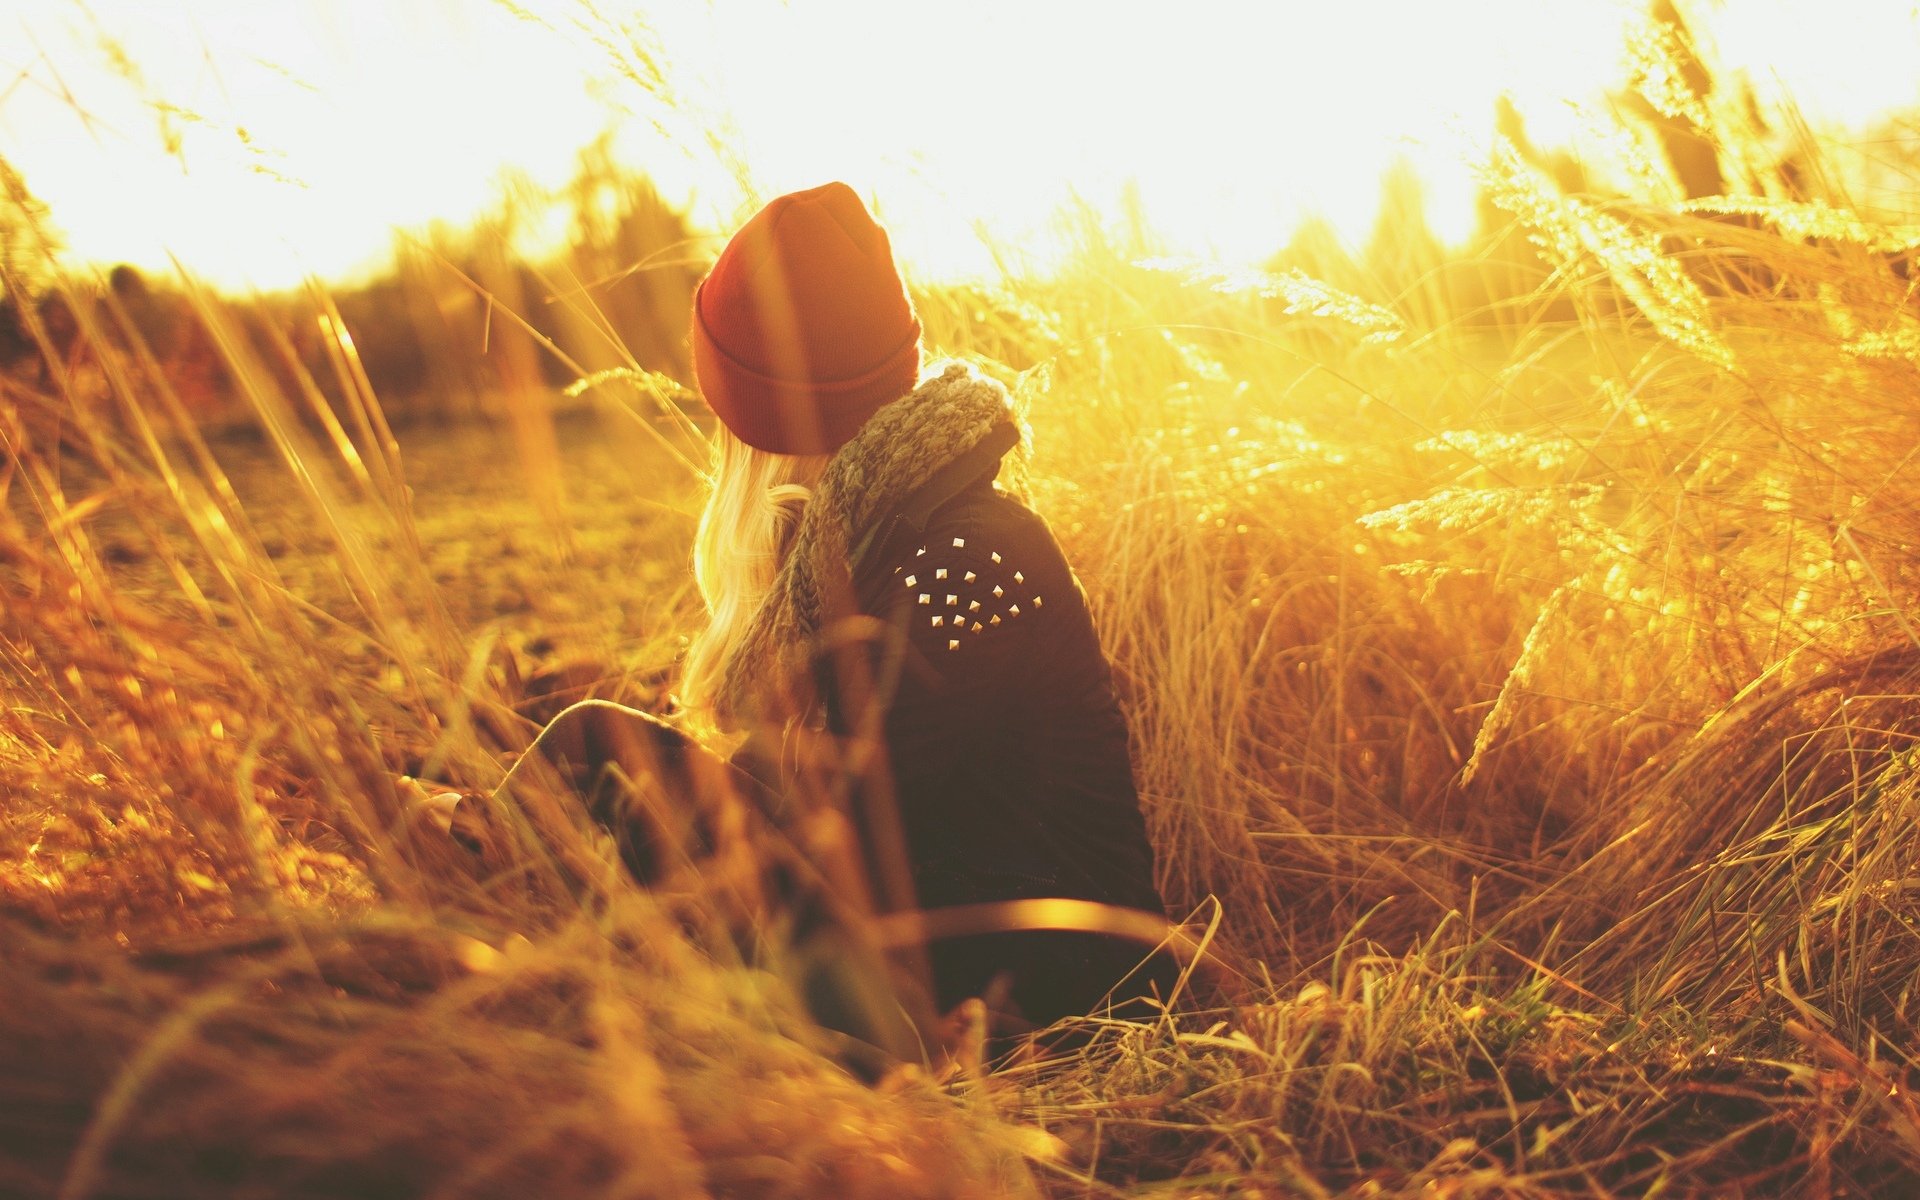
258 142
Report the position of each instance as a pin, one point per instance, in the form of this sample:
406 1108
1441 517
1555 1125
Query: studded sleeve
965 606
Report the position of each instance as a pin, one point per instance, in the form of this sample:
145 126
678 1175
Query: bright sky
262 140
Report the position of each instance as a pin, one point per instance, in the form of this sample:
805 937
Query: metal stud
938 621
925 599
998 591
941 573
952 600
953 644
911 580
1013 610
977 627
968 577
974 606
994 619
1036 602
919 552
959 543
996 556
1019 578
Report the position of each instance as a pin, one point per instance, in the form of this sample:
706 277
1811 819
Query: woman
894 634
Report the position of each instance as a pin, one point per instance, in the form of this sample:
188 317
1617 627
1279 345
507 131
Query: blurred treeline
460 322
471 320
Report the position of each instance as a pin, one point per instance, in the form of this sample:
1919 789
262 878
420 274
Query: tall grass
1525 707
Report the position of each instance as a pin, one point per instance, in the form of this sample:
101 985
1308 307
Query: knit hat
803 328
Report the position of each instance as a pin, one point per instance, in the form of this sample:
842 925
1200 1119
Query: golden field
1519 647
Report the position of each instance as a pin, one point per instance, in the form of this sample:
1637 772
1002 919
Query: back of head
803 328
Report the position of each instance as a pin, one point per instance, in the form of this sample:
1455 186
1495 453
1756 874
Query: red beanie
803 328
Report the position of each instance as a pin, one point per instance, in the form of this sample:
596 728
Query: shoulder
993 520
981 574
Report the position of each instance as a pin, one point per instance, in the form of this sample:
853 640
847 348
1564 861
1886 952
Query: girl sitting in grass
893 640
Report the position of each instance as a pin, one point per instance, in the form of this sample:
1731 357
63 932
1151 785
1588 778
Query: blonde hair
755 500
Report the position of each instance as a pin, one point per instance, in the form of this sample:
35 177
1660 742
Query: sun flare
262 143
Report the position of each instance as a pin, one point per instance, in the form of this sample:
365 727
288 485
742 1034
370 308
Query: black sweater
1008 751
1007 755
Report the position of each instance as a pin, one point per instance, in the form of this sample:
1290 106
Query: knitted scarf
893 455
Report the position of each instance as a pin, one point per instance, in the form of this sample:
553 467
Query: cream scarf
894 454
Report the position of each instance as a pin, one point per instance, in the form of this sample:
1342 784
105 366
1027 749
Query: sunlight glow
261 142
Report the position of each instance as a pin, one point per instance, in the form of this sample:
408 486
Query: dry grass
1529 704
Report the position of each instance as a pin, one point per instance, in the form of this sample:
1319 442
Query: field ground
600 578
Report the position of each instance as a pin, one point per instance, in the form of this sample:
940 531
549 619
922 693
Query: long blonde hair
755 500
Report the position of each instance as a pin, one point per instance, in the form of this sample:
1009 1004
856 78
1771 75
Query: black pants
658 792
